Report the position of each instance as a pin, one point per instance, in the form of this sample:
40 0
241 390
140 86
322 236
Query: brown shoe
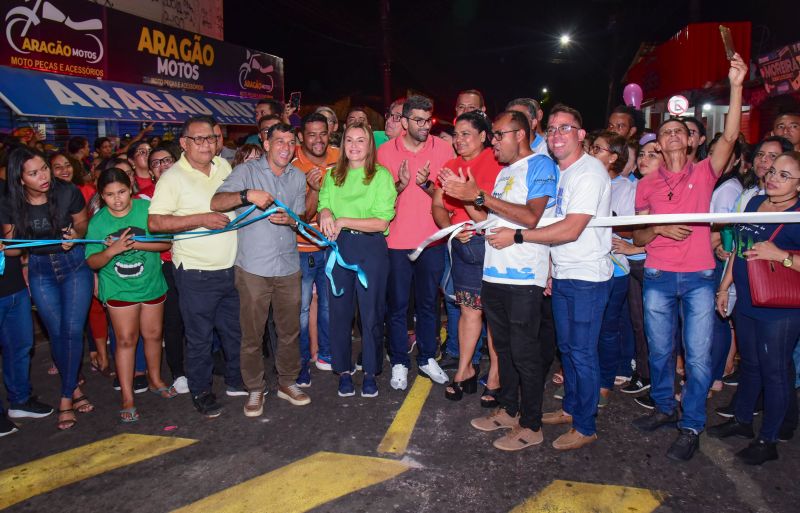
519 438
573 439
294 395
498 419
556 417
254 407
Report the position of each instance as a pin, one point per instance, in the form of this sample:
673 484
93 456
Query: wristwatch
480 200
788 261
518 236
243 197
426 185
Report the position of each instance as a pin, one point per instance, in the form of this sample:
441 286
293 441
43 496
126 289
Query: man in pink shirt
414 159
679 272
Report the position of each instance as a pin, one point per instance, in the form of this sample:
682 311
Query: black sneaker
731 379
31 409
448 362
758 452
6 426
730 428
636 384
645 401
726 411
115 385
655 420
684 447
140 384
207 405
785 434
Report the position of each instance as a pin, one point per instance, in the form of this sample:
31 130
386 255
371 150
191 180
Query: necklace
671 188
779 202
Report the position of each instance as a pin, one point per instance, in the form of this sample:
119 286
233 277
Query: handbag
771 284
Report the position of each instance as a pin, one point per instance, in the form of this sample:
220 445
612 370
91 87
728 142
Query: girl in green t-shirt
130 283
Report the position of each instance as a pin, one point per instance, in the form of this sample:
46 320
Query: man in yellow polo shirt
204 265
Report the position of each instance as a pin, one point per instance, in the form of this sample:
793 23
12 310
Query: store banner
32 93
80 38
780 70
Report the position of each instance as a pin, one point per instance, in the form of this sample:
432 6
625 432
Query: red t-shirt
484 169
147 187
691 190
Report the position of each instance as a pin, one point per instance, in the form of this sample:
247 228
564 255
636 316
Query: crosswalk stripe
396 439
47 474
301 485
572 496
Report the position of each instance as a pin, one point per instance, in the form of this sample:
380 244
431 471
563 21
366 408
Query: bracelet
721 292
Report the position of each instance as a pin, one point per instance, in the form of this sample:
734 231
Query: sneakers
31 409
207 405
294 395
621 380
497 419
519 438
573 439
369 388
684 447
731 379
346 388
758 452
254 407
6 426
140 384
645 401
181 385
636 385
556 417
448 362
726 411
655 420
603 400
730 428
235 391
323 364
399 379
559 393
432 371
304 378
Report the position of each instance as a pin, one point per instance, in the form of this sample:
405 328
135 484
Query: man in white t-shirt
514 279
582 271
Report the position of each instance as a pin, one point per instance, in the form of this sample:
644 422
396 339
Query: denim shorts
467 271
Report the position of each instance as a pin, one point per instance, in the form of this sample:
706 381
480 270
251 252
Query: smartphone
727 40
294 100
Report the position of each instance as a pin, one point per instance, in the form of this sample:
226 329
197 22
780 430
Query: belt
356 232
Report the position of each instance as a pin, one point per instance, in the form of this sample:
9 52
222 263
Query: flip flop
68 423
169 391
131 417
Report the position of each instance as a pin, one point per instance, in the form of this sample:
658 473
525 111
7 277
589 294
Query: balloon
632 94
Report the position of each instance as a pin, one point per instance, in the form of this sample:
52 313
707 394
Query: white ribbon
601 222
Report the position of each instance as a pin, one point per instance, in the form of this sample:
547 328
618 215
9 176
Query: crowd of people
645 309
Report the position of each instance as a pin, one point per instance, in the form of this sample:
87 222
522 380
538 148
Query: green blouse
357 200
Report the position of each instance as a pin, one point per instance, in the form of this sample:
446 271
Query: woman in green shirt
130 283
356 203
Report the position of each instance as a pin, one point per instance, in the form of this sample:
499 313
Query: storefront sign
780 69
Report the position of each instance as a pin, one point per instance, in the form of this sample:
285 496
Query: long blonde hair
340 173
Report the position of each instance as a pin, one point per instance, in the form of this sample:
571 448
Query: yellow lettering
158 43
172 48
145 43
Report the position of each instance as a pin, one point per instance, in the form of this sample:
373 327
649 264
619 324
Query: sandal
456 389
129 415
82 404
164 392
106 371
68 423
53 370
558 378
489 403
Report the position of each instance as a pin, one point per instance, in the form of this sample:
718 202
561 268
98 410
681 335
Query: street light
544 90
564 39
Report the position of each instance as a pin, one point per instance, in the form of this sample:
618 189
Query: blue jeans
314 275
452 309
425 274
578 308
61 287
16 341
766 364
721 336
690 296
611 335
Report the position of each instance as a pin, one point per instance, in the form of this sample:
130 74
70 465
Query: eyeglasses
673 131
421 122
143 151
692 132
163 162
595 149
780 176
393 117
769 156
561 129
499 134
649 154
200 139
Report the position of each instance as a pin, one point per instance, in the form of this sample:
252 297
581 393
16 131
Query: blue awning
34 93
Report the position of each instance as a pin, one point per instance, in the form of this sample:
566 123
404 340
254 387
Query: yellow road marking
300 486
574 497
47 474
396 439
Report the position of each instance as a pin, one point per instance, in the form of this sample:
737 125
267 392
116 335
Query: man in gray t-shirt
267 264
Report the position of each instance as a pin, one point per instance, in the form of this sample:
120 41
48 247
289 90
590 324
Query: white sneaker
399 377
323 365
433 371
181 385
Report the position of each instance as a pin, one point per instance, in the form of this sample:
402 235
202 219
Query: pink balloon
632 94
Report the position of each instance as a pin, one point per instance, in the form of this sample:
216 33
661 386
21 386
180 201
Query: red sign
780 70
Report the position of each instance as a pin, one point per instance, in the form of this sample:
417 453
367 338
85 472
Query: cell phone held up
727 41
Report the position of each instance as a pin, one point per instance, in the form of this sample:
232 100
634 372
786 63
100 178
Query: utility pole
387 54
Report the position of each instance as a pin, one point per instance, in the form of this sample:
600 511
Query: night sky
332 48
